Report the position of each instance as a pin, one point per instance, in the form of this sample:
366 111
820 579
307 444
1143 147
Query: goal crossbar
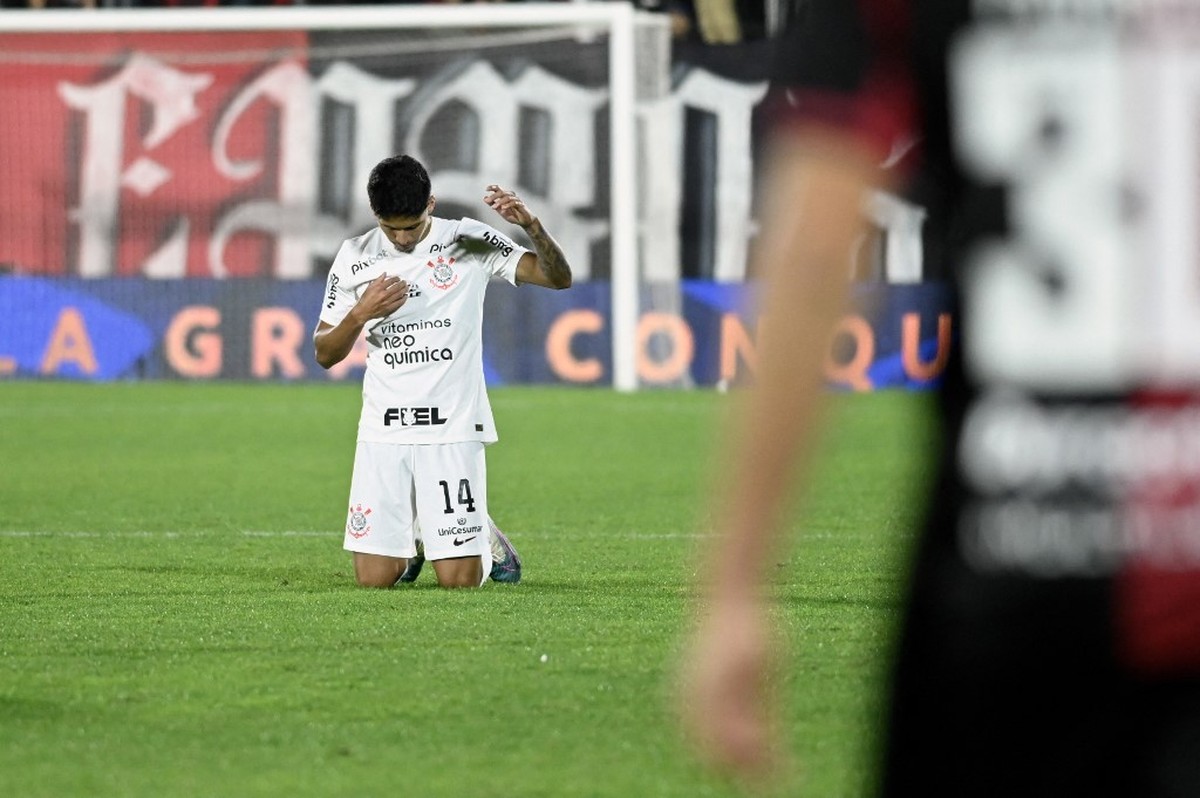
618 19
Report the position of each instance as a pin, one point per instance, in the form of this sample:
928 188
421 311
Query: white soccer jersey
424 379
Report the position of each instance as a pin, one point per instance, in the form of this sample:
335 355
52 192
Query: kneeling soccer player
416 284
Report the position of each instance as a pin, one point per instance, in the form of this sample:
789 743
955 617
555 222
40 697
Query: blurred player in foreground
416 284
1051 644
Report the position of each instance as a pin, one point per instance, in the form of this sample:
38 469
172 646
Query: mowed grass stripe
174 621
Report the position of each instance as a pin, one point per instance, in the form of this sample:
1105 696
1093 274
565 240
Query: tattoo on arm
551 259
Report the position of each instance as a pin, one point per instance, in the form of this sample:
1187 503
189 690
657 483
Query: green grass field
177 617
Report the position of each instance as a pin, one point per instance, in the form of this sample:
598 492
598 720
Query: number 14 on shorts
465 499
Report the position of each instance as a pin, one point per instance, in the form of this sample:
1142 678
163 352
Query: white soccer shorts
402 492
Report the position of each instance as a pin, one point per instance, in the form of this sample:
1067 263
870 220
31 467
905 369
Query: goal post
314 206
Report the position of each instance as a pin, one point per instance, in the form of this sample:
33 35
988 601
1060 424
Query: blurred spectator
714 21
47 3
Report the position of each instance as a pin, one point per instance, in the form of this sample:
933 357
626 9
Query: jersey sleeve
847 65
339 295
495 252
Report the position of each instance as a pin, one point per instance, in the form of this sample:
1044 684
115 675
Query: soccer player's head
398 188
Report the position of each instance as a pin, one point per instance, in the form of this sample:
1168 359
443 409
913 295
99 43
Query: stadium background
175 198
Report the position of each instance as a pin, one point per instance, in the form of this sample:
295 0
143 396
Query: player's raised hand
510 207
383 296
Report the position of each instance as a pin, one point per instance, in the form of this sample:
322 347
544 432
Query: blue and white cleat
415 564
506 563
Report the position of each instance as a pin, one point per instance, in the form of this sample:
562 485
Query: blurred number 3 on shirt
1097 287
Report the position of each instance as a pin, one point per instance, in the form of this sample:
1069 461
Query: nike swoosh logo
460 541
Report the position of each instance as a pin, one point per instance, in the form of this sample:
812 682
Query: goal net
224 149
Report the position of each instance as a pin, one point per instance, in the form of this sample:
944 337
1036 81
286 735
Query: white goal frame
617 18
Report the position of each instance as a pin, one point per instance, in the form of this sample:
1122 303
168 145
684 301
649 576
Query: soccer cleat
415 563
506 563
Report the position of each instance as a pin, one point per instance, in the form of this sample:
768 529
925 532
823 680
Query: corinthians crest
357 525
444 276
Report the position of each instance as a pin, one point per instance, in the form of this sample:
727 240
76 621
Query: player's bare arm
811 220
549 267
383 296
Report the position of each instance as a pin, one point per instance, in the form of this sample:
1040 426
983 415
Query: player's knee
458 580
375 571
376 576
458 572
376 580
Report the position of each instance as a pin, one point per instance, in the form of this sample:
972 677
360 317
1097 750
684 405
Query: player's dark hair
398 186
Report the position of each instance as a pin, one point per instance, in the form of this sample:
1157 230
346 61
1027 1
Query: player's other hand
510 207
383 296
724 691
